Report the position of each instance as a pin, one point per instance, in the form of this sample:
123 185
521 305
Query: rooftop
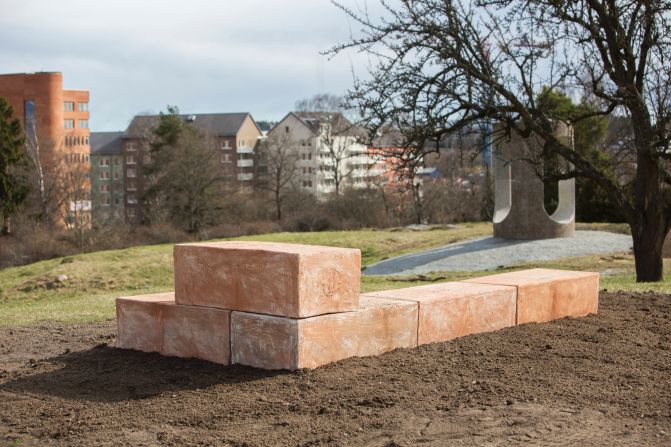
106 143
219 124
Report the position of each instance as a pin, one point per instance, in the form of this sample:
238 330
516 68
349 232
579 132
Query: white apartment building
325 144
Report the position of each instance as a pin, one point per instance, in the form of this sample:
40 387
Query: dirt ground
600 380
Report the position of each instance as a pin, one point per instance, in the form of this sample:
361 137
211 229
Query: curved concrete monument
519 210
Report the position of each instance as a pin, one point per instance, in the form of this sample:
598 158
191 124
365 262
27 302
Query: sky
204 56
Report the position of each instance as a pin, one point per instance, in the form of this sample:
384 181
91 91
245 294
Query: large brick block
454 309
545 294
270 342
154 323
287 280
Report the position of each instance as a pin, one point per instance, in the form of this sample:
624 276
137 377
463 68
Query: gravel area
490 253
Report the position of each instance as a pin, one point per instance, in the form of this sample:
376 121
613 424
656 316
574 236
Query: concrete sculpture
519 211
287 306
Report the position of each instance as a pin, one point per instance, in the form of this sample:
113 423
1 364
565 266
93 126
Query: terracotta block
139 323
544 294
269 342
287 280
154 323
454 309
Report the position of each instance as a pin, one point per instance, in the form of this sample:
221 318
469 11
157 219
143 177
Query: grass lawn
96 279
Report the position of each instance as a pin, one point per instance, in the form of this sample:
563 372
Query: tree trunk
648 243
6 229
278 204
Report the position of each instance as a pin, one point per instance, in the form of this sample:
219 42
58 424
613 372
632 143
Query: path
489 253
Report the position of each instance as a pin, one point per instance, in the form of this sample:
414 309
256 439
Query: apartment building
329 151
234 134
107 177
56 124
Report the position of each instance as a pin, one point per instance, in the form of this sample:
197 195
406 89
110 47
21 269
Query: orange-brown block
287 280
269 342
454 309
154 323
545 294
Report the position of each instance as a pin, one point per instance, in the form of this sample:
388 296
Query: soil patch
600 380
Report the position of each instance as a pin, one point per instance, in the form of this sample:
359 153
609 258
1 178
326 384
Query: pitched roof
338 122
106 143
388 137
219 124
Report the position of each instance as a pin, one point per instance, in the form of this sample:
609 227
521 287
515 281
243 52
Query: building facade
56 125
235 135
329 152
107 177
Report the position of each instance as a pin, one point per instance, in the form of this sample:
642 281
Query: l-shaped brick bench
288 306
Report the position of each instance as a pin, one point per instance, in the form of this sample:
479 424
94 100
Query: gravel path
489 253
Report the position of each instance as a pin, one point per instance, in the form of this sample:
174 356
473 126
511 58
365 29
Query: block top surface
440 291
531 277
368 301
167 297
276 247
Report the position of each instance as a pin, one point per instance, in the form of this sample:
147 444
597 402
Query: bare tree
48 171
281 157
322 102
76 195
445 65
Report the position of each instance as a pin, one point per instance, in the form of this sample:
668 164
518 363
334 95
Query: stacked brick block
288 306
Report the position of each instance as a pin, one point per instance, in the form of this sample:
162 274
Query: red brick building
235 135
56 121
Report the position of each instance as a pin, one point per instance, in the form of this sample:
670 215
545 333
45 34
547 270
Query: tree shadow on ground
107 374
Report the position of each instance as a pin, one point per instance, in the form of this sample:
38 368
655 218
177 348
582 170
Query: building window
101 162
116 176
130 160
83 124
104 188
130 173
69 124
69 106
30 119
226 158
241 143
116 161
225 144
130 146
83 107
131 186
131 200
86 140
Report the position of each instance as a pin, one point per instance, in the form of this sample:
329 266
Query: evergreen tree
13 188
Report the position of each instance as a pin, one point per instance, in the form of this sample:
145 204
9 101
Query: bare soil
599 380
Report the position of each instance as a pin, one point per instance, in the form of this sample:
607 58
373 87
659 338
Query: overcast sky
137 56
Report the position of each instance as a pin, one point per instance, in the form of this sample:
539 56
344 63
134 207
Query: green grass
96 279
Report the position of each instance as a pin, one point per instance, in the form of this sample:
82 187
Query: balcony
245 150
245 177
246 163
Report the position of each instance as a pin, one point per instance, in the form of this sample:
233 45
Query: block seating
289 306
